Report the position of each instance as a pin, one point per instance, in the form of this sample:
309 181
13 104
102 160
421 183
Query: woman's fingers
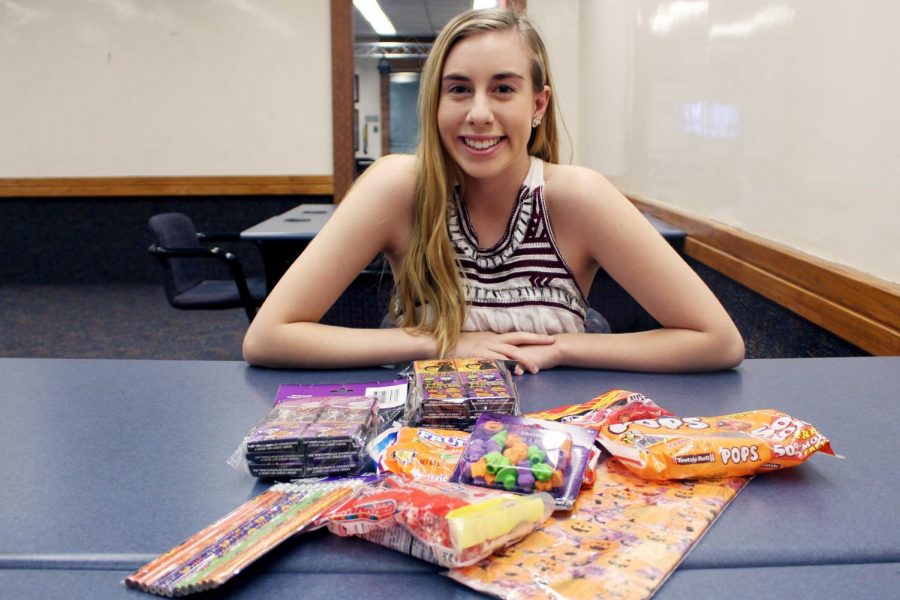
505 346
523 338
523 362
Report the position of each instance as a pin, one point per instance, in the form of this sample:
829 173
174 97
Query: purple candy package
526 455
311 437
450 393
391 395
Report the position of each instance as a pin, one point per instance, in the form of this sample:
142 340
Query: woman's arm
597 226
375 216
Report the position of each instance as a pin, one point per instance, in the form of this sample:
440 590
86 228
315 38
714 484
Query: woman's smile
480 144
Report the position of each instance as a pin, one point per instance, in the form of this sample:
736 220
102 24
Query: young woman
491 243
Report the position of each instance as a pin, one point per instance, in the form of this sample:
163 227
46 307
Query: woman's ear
541 100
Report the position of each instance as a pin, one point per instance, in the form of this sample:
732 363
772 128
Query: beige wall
169 87
781 119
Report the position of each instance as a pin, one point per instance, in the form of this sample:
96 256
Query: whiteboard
94 88
778 117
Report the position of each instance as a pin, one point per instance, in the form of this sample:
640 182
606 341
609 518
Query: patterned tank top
522 282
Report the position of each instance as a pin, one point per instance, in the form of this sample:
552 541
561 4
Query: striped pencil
292 525
218 552
175 557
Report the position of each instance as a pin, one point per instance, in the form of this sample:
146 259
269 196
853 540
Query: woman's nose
480 110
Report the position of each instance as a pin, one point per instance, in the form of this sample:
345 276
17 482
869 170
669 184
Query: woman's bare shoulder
578 188
381 201
396 172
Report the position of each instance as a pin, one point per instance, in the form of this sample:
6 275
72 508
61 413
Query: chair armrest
183 252
214 252
218 236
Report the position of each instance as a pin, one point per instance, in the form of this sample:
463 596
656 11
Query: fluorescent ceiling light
375 16
476 4
404 77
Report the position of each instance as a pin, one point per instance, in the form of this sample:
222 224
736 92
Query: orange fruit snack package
420 452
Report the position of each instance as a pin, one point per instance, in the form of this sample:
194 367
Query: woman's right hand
503 346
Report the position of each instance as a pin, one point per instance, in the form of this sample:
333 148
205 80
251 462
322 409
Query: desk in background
283 237
109 463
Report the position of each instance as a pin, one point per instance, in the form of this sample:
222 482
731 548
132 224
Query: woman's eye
505 89
457 89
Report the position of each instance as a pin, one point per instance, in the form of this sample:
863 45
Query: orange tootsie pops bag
670 447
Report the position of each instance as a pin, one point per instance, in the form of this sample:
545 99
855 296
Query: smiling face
487 103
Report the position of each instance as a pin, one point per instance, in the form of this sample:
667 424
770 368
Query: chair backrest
176 230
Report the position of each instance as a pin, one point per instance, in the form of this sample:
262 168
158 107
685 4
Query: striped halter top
522 282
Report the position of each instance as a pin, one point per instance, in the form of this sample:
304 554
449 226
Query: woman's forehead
492 51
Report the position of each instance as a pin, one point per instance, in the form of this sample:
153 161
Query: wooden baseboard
239 185
859 308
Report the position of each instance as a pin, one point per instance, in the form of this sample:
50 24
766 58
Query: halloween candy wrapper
391 395
611 406
450 393
419 452
217 553
443 523
622 539
670 447
310 437
525 455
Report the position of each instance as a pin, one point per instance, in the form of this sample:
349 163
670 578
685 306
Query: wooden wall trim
342 65
262 185
857 307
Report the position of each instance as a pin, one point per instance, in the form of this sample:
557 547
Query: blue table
110 463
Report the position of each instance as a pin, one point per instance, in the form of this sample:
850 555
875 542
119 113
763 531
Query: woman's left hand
542 356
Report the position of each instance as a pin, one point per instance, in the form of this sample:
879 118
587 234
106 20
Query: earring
535 122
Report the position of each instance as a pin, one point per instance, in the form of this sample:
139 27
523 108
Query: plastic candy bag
448 524
612 406
391 395
524 455
310 437
670 447
418 452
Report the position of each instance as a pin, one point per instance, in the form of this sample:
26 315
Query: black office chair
176 243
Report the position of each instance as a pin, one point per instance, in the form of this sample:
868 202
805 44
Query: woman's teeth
481 144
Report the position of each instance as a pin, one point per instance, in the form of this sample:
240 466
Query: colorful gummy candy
524 455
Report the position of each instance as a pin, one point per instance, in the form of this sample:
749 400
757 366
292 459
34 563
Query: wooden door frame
342 95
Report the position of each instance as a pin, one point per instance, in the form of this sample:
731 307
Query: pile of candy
312 437
525 455
454 498
452 393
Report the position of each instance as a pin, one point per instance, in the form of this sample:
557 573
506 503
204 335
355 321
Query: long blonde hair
429 294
